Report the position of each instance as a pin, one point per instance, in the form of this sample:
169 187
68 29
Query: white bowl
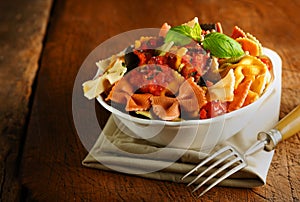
201 135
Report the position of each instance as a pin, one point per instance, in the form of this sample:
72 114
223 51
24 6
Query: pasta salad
190 71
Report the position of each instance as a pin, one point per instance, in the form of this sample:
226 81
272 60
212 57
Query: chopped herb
158 68
192 74
150 77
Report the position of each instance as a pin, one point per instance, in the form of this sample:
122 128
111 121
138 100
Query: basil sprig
222 46
184 34
219 45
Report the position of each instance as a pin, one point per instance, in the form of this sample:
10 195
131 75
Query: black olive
202 82
131 60
208 26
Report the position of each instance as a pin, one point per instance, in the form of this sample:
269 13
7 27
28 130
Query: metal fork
229 158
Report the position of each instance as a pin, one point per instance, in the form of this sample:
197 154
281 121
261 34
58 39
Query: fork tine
217 172
227 174
212 166
207 160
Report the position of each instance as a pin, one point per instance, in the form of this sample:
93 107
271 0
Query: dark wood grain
22 29
51 164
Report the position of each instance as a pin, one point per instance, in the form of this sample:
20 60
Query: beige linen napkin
116 151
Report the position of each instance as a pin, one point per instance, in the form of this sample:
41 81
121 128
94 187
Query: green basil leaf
177 38
184 34
222 46
196 32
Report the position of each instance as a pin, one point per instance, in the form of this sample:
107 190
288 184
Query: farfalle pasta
166 108
112 74
190 71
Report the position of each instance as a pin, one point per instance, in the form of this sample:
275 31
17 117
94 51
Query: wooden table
43 159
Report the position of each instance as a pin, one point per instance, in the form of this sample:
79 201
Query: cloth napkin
116 151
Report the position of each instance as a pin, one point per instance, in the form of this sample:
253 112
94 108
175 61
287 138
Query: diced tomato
188 71
151 78
171 60
214 108
203 114
141 56
152 88
152 43
160 60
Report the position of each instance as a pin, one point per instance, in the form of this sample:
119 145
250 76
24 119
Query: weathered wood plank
22 29
52 168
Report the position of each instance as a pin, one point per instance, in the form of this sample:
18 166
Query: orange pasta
139 102
118 95
191 96
237 32
240 95
249 45
166 108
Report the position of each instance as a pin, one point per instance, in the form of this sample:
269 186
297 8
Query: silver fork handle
272 138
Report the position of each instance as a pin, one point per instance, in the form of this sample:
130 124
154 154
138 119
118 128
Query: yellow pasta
251 68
